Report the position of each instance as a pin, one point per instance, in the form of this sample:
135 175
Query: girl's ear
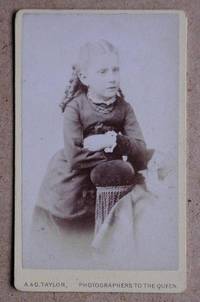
83 78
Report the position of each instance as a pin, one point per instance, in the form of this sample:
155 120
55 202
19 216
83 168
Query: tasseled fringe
106 197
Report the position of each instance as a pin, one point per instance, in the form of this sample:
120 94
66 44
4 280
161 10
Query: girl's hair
75 86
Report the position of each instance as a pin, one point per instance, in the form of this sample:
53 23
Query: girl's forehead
99 60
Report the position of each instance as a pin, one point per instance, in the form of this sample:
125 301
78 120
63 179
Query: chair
113 180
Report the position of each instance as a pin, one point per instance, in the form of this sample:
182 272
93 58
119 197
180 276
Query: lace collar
97 101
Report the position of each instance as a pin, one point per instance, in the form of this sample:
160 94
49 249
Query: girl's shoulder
123 104
78 102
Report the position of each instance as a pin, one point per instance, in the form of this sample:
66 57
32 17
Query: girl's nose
112 77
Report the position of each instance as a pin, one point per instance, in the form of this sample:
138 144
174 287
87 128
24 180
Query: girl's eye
102 71
115 69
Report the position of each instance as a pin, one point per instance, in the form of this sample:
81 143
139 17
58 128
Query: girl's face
102 76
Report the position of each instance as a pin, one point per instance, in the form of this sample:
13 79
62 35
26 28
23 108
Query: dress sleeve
131 141
77 156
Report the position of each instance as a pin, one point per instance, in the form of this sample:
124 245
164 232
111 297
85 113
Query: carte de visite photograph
100 154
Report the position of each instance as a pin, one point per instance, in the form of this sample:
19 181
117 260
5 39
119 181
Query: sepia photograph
100 149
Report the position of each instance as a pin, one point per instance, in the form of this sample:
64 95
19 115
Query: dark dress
62 192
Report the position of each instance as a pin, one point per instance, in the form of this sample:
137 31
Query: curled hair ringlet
74 87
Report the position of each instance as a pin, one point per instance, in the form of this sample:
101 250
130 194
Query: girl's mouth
112 88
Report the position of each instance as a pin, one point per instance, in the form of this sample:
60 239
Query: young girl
100 127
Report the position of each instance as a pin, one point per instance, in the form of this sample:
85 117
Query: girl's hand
100 142
112 137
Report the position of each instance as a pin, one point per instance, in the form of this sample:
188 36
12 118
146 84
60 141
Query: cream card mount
100 153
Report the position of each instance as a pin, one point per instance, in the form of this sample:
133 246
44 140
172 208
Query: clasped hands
99 142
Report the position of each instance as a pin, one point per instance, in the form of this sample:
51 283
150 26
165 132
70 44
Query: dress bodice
96 119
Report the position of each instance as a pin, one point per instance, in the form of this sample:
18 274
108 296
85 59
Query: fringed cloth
106 197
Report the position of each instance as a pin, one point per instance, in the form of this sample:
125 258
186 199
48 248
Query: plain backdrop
148 45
